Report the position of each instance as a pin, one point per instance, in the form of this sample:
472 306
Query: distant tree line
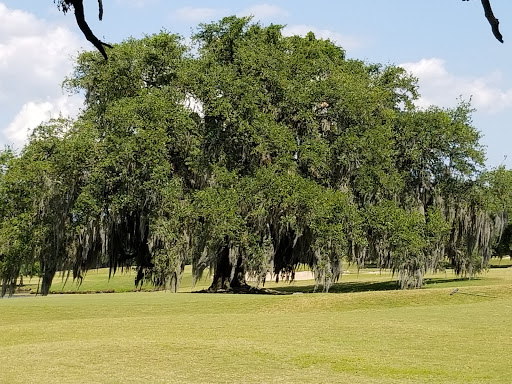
251 153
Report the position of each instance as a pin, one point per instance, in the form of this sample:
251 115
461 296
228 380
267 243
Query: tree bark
49 272
495 24
78 7
222 279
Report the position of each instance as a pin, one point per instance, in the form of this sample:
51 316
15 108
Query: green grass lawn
353 335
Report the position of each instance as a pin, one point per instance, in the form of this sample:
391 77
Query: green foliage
293 155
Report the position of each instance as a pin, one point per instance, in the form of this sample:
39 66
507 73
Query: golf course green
365 331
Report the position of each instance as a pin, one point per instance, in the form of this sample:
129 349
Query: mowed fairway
386 336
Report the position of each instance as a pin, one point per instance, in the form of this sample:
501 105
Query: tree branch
78 7
495 24
100 5
492 20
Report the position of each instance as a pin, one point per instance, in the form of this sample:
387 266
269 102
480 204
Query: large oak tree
292 155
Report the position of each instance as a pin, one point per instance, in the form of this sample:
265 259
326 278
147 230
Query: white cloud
264 11
194 105
34 113
442 88
347 42
17 22
35 56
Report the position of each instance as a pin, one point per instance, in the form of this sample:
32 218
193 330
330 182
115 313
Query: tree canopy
246 153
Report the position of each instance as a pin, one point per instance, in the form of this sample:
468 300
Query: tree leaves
292 155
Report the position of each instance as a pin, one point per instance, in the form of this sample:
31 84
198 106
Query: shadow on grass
496 266
353 286
441 280
367 286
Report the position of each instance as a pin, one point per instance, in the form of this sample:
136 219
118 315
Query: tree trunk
222 280
48 275
8 287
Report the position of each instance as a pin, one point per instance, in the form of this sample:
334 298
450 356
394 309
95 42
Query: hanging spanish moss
248 170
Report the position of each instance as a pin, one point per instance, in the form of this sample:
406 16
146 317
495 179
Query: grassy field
366 331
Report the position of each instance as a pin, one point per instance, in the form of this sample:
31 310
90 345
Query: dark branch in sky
100 4
78 7
495 24
492 20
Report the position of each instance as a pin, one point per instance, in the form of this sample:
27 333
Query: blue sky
447 44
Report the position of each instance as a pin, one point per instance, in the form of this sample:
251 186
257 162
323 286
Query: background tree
40 189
